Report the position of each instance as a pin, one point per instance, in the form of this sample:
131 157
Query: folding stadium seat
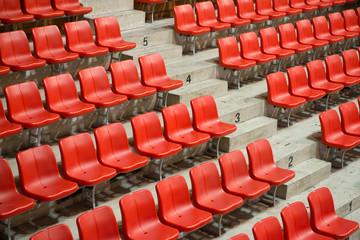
10 12
335 71
350 119
263 7
320 4
12 202
71 7
298 84
57 232
207 193
178 128
337 26
25 107
175 207
80 164
296 223
305 36
206 17
317 79
246 10
41 9
185 24
262 166
279 96
333 136
149 139
153 74
283 6
43 182
4 70
324 219
241 236
126 81
108 34
79 39
229 58
62 97
300 4
6 127
227 13
95 89
351 20
206 119
146 225
268 229
235 177
270 45
351 62
148 4
113 149
98 224
15 52
48 45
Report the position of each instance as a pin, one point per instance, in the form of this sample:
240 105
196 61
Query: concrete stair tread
104 5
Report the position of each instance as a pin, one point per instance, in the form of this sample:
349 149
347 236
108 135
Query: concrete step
354 216
247 132
101 6
307 174
186 93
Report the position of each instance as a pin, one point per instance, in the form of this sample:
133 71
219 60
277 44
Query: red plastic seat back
66 4
204 110
287 34
349 115
262 5
268 229
228 49
57 232
9 8
184 16
320 26
226 9
124 73
244 6
107 30
260 157
152 68
14 46
269 38
176 119
205 13
98 224
38 6
316 71
336 21
304 30
7 183
330 125
350 59
297 78
241 236
277 86
334 65
249 44
350 18
78 35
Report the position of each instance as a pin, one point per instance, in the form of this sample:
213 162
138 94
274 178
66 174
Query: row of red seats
316 83
49 47
325 224
343 136
10 10
210 196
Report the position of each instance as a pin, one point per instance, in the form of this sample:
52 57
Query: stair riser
100 6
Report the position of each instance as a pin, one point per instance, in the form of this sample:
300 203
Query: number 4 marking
188 79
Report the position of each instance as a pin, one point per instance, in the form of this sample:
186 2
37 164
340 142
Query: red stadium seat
71 7
98 224
79 39
62 97
268 229
335 2
43 182
324 219
41 9
296 223
241 236
283 6
113 149
298 84
80 163
246 10
300 4
306 36
319 3
351 20
350 119
288 39
337 26
250 48
351 62
149 139
333 136
335 71
227 13
146 224
126 81
206 119
322 32
153 74
10 12
206 17
57 232
108 35
207 193
263 7
48 45
178 128
6 127
262 166
12 202
235 177
175 207
15 52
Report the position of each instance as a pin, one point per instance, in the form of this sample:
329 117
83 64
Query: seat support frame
331 153
90 195
161 100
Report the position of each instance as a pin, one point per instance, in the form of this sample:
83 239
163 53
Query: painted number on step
188 79
291 159
237 117
145 41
